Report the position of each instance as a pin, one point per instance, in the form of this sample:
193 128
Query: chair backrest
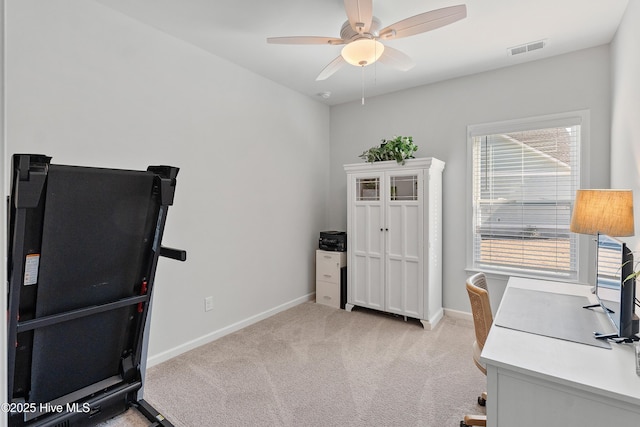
480 307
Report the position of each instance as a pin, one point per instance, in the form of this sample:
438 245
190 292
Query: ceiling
237 30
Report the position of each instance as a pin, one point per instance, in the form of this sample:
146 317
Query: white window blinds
524 183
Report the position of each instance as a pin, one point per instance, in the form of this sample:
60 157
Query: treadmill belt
94 231
97 225
75 354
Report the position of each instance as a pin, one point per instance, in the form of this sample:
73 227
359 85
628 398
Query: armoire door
367 241
403 243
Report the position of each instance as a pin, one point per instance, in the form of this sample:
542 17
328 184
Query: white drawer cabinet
328 266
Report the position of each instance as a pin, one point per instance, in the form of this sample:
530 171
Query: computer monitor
616 293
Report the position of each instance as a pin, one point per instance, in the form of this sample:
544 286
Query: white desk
533 380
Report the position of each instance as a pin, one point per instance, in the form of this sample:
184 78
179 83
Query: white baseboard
183 348
458 314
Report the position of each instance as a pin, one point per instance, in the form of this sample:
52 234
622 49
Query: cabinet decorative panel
394 227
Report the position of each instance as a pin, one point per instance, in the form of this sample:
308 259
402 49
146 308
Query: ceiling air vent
524 48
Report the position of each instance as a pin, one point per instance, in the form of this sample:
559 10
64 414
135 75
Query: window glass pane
367 189
404 188
524 184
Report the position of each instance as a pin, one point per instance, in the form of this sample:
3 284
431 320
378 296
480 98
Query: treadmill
83 247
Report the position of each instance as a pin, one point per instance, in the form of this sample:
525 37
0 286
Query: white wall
437 116
625 114
625 110
90 86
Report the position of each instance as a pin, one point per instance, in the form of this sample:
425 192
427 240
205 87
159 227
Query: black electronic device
614 289
83 247
333 241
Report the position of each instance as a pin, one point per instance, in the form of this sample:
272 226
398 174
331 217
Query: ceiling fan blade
333 66
424 22
396 59
360 14
305 40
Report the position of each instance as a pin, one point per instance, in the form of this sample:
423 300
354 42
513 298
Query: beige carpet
313 365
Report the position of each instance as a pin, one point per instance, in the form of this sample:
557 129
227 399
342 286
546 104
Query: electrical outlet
208 303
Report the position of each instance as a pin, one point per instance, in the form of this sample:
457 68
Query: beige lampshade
603 211
362 52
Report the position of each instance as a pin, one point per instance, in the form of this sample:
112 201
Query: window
525 175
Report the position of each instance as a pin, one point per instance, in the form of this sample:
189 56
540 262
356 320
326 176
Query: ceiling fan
361 35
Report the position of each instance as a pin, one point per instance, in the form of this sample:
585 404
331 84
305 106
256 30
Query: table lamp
603 212
607 212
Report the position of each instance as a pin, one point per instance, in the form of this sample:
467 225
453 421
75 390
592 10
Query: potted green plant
399 149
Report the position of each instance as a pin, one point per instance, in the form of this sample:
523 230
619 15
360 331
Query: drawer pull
327 256
326 297
327 275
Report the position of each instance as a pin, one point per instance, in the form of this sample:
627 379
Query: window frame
580 117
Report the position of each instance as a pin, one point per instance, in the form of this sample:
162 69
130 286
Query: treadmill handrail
76 314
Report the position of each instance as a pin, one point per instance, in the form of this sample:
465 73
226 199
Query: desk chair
482 320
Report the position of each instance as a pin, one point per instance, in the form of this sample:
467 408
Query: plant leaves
399 149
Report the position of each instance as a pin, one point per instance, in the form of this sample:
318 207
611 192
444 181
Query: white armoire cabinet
394 227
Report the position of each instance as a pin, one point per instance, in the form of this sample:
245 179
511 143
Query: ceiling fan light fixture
362 52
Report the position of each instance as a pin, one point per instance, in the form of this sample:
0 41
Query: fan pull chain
362 67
